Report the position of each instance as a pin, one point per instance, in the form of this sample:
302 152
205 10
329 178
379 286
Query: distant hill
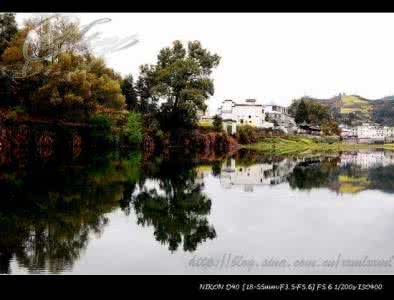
354 109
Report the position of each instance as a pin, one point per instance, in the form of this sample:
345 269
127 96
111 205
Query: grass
348 179
301 144
352 184
355 104
349 188
206 124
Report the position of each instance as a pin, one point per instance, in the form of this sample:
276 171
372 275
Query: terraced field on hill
355 104
354 109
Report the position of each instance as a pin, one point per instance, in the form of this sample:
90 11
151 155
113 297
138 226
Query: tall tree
129 92
8 30
301 113
181 80
148 101
306 110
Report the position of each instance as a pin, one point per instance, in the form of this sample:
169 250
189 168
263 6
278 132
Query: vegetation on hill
302 144
314 113
354 110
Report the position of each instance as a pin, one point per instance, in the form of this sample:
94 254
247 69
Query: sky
273 58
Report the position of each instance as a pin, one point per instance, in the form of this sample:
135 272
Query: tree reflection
314 173
49 212
51 208
175 206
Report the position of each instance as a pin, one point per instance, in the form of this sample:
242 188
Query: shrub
246 134
14 112
217 123
101 128
100 121
134 132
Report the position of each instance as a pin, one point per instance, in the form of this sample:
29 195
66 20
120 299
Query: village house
279 115
368 133
249 112
305 128
347 132
388 134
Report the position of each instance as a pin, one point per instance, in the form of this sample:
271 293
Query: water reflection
52 208
49 210
172 202
349 172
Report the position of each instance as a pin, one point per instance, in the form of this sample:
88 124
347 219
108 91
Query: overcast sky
271 57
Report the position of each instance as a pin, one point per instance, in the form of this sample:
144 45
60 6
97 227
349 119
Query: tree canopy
309 111
8 30
55 74
181 81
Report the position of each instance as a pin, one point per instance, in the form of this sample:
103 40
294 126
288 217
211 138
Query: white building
369 131
247 113
280 115
347 131
276 112
388 134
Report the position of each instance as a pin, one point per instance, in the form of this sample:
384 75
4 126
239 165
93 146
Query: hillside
354 109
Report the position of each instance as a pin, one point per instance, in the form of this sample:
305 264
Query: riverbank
300 144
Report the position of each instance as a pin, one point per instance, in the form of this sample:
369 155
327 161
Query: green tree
129 92
8 30
134 132
217 123
330 128
301 114
309 111
181 79
148 101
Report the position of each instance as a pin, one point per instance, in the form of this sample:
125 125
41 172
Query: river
250 213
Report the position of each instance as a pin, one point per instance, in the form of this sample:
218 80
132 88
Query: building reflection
259 174
349 172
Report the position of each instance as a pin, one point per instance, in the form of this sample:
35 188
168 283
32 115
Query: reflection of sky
274 221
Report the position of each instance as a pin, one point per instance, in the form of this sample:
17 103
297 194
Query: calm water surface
249 213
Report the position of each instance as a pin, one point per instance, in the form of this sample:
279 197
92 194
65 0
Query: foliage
309 111
7 83
134 132
181 79
77 92
65 80
246 134
101 128
330 128
217 123
129 91
301 144
8 29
